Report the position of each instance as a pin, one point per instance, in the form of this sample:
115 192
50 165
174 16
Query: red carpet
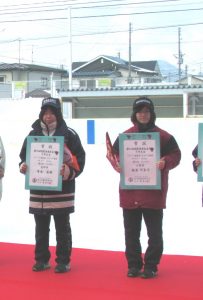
96 275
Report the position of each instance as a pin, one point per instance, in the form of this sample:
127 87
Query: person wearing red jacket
138 204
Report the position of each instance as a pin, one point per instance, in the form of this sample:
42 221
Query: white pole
70 52
185 105
19 46
51 84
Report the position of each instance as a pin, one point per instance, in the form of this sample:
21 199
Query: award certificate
139 153
44 158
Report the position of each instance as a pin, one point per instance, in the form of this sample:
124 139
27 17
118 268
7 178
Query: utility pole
180 55
19 41
129 60
70 52
32 54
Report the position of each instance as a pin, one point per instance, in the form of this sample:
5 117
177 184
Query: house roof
29 67
77 64
115 60
149 89
38 93
199 77
121 64
149 65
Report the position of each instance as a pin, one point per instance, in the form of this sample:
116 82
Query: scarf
48 129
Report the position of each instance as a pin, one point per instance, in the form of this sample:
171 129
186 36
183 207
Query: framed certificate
44 157
139 153
200 152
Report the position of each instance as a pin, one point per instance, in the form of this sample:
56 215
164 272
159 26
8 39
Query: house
165 71
18 80
110 71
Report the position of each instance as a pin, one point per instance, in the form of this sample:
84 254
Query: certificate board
44 158
139 153
200 152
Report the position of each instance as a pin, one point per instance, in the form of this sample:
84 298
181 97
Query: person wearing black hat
59 204
146 204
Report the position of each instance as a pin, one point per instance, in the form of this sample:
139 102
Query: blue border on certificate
124 183
200 152
42 140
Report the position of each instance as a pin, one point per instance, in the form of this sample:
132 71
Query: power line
140 13
99 33
103 32
86 7
74 2
99 16
95 16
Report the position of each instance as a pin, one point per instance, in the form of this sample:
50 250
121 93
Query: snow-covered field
97 222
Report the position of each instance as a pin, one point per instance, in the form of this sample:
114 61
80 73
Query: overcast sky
32 31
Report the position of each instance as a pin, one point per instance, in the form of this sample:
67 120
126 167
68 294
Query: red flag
70 159
111 155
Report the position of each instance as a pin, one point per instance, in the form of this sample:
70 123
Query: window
44 81
2 79
91 84
87 84
83 83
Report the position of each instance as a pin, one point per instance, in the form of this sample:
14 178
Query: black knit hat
53 102
55 105
142 101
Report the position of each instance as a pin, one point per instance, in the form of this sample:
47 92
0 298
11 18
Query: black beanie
55 105
142 101
139 104
54 102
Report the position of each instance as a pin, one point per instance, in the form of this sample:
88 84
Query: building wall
120 107
5 91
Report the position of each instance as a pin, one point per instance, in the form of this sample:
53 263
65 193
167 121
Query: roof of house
199 77
150 88
38 93
29 67
77 64
120 63
150 65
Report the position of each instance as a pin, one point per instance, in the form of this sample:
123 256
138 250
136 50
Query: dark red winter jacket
155 199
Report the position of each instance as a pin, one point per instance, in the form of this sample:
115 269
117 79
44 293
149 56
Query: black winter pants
63 238
132 225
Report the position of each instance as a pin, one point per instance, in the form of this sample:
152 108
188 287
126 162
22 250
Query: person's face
49 117
144 115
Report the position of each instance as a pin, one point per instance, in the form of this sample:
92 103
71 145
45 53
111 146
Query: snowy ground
97 222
